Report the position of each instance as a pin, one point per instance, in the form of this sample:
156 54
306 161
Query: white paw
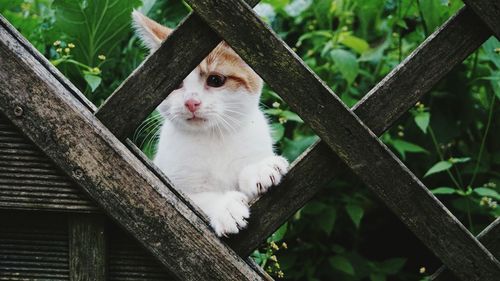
229 215
258 178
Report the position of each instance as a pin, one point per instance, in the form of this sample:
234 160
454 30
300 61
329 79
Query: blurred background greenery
450 139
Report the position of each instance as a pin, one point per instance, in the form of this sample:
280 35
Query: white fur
148 38
221 163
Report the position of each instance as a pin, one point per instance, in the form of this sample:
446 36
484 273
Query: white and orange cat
215 144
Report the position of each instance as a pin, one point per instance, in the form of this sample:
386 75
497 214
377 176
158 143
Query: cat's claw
256 179
231 214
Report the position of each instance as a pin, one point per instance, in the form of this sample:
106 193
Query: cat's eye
216 80
179 86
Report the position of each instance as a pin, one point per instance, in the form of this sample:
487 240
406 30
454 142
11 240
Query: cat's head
220 94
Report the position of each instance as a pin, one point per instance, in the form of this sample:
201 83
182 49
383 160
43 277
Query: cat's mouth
196 119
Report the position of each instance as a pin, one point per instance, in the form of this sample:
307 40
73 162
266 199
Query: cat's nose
192 104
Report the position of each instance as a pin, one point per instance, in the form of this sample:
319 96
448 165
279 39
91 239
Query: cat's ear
151 33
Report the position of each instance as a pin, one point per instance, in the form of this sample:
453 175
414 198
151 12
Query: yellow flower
71 45
102 57
96 70
57 43
284 246
422 270
273 258
59 50
67 50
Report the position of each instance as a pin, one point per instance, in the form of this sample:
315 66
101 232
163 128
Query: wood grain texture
158 76
128 261
29 181
489 237
29 48
337 126
68 133
444 49
488 11
87 248
33 246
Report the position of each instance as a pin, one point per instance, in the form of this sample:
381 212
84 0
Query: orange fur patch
223 60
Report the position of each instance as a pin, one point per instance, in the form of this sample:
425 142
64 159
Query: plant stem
474 64
469 216
424 25
438 150
483 141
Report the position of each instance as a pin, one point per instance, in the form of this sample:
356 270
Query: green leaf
314 208
357 44
431 10
277 131
403 146
377 277
327 220
355 212
95 27
443 190
422 120
93 81
438 167
296 7
341 264
273 111
293 148
291 116
346 63
489 49
392 266
459 160
280 233
488 192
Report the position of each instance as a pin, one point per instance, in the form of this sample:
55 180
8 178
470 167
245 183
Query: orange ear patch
151 32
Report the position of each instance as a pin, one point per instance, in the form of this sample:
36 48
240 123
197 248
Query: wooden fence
91 147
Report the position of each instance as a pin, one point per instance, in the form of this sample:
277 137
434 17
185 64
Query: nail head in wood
18 111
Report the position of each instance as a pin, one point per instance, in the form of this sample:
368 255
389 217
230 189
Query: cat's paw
230 213
258 178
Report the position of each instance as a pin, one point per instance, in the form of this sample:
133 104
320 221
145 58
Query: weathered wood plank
390 99
68 133
33 246
490 237
129 261
367 157
28 183
87 248
158 76
488 11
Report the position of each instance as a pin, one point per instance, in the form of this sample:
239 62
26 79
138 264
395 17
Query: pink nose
193 104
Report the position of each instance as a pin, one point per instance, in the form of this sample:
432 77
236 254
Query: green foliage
352 45
449 139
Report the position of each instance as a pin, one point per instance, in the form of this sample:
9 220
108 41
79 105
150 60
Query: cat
215 143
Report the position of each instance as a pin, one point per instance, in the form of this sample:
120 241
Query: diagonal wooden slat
158 76
488 11
448 46
49 115
490 237
338 127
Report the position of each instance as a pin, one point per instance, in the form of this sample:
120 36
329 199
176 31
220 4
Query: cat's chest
197 167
